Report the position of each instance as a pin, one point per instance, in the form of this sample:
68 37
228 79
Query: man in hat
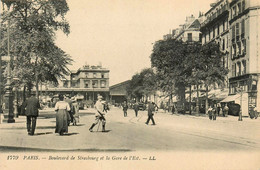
32 105
100 114
150 110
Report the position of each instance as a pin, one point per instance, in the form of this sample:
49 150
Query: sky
120 34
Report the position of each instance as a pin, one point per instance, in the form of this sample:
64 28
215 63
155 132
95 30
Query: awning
218 94
230 98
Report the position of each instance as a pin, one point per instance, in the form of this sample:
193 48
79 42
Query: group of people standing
216 110
67 111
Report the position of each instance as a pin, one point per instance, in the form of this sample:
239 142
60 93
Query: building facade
216 28
244 55
85 84
234 25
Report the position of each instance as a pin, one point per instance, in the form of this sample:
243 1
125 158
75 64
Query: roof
120 84
194 24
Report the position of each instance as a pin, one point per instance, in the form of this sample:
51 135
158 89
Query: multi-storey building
244 55
234 25
86 83
190 30
216 28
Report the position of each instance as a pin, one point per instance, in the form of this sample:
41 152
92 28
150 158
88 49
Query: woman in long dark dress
62 114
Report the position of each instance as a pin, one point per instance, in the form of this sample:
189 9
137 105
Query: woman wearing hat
62 116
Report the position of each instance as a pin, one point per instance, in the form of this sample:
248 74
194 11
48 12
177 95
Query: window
200 37
102 75
239 52
237 30
94 84
254 85
244 46
87 84
103 84
233 32
214 32
239 8
233 70
244 67
238 69
227 42
86 74
223 44
234 51
189 36
243 5
242 28
223 25
234 11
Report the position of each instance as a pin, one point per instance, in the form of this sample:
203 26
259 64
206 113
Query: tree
183 64
142 84
167 57
33 34
210 69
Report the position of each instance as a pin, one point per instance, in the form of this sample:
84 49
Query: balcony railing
215 15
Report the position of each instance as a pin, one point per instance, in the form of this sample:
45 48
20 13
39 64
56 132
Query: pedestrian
32 106
125 107
75 111
210 112
99 115
225 110
218 108
255 112
173 109
214 112
136 108
221 111
69 101
62 109
151 110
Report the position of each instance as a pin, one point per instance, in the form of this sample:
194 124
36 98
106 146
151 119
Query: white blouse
62 105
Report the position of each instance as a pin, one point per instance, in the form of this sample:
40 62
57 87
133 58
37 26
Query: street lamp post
16 86
8 97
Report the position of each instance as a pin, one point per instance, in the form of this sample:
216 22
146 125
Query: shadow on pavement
106 131
69 134
39 127
46 133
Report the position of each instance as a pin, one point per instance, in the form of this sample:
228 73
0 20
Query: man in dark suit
150 109
68 100
32 105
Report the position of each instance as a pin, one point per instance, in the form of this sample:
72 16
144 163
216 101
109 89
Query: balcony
220 13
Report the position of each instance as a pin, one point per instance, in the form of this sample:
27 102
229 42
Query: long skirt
62 121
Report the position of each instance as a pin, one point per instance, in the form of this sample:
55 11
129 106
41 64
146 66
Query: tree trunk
190 101
24 93
207 100
197 101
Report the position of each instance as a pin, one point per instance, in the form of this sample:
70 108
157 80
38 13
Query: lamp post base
8 109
